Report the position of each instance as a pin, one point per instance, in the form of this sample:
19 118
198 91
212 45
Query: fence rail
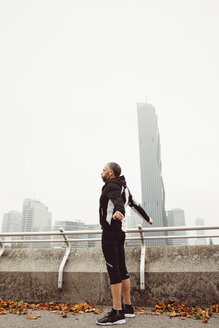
141 237
95 232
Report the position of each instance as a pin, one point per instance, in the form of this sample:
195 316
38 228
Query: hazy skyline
71 74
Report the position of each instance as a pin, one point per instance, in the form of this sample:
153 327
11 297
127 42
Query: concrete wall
189 273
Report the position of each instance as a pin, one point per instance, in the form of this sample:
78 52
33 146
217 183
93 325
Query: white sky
71 73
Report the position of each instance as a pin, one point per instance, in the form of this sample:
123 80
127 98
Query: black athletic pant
114 253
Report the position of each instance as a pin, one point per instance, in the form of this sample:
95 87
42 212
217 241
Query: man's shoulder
112 185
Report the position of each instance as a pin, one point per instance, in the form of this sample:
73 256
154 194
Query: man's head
111 170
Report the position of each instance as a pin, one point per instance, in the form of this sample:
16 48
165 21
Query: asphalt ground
49 319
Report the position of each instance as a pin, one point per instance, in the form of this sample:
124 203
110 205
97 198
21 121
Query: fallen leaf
140 312
65 316
171 300
97 311
3 312
31 316
205 318
196 317
183 303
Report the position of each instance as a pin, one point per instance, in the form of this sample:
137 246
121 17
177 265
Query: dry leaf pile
181 310
175 309
60 309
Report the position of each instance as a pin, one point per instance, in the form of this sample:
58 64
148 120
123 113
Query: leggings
113 251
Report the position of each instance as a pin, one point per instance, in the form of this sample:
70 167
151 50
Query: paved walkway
88 320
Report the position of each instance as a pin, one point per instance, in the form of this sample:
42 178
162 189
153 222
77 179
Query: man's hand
118 216
150 221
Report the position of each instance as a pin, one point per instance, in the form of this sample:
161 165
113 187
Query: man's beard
105 178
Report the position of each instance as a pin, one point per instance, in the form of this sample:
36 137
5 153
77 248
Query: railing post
2 248
67 252
142 260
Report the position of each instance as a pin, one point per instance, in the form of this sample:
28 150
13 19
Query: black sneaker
128 310
112 318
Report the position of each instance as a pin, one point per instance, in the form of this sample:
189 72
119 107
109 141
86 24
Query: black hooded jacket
115 197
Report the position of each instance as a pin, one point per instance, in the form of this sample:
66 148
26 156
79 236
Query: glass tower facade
35 218
152 188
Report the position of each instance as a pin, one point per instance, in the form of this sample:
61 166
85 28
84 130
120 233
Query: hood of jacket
118 180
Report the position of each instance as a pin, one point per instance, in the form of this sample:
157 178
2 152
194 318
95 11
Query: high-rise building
70 225
176 217
133 220
77 225
200 241
199 222
93 227
35 217
153 193
12 222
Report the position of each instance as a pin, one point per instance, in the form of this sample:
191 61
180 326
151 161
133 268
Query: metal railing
141 237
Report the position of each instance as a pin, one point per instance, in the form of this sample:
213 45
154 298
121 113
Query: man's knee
123 271
114 273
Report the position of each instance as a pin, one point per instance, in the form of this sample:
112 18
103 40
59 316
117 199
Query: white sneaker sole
119 322
129 315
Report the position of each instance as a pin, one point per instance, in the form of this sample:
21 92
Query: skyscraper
176 217
35 217
12 222
152 188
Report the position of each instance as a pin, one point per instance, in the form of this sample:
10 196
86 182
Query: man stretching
113 201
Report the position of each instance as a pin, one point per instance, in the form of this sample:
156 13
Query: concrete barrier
189 273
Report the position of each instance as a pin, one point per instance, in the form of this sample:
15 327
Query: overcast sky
71 73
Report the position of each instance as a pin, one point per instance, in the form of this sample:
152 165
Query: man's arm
139 209
114 194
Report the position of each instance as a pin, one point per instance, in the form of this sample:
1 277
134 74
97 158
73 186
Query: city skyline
14 221
10 219
68 101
